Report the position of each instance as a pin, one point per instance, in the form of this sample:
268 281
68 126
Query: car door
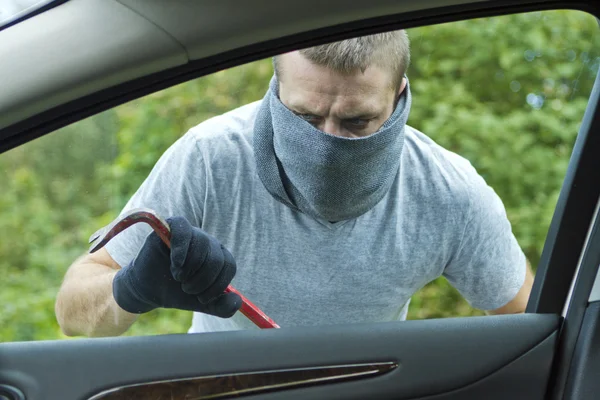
551 351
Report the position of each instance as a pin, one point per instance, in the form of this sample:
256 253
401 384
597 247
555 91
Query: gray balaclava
328 177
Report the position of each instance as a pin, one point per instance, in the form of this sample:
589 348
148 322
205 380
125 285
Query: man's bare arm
518 304
85 304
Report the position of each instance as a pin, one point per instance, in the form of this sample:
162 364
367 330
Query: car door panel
433 357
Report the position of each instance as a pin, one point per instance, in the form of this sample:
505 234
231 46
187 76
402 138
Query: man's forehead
295 68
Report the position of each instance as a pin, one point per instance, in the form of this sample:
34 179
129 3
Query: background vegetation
508 93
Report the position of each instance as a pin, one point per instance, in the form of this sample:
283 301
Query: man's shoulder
445 172
424 149
226 131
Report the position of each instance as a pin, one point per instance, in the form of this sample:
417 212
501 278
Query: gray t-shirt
439 218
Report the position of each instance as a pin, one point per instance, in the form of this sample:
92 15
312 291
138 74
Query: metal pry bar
162 229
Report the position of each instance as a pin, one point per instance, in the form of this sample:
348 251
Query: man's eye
357 122
309 117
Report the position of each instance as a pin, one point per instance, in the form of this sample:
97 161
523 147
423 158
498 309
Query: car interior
64 61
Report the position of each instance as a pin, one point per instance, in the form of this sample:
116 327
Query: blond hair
388 50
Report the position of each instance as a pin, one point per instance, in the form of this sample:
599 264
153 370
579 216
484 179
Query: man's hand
192 275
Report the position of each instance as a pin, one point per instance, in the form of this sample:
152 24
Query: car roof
83 56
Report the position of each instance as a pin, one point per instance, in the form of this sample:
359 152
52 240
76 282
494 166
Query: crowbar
162 229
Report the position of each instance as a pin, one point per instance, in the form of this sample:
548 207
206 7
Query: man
318 203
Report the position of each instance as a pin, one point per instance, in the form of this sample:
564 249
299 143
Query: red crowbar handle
162 229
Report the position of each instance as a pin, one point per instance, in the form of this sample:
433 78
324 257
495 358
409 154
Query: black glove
192 276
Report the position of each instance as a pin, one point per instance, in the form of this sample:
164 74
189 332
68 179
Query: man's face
347 105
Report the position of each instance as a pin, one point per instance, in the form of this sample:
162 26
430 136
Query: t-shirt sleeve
489 267
174 187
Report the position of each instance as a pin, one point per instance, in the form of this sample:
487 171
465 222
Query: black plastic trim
583 382
576 312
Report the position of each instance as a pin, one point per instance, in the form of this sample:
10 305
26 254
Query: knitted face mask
325 176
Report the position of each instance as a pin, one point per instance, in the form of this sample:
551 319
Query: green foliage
508 93
477 105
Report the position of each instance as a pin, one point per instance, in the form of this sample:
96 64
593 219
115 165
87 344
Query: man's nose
332 127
